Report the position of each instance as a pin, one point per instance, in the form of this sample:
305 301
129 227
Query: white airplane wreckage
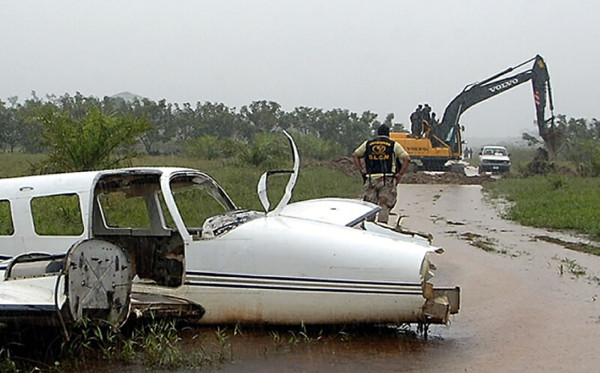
120 242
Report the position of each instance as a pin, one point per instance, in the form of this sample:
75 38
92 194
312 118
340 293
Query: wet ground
528 304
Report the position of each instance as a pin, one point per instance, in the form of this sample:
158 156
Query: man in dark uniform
415 121
382 171
426 113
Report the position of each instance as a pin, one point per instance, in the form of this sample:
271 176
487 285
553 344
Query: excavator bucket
542 93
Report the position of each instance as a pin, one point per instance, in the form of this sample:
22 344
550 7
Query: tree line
82 133
170 125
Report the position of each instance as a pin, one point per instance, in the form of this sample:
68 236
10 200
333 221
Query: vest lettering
379 156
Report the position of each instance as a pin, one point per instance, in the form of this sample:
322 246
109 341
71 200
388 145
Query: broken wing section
28 289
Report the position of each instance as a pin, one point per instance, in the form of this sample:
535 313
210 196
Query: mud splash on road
577 246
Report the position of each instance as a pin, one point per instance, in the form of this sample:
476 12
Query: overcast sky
382 56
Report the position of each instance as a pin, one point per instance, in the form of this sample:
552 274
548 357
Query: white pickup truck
494 158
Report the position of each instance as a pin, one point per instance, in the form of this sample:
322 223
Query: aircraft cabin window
6 224
58 215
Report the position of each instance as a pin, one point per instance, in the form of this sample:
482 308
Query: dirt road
528 305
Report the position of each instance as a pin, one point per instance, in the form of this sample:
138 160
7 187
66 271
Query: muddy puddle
357 349
528 304
310 349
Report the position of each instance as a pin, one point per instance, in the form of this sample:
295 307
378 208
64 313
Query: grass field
18 164
553 201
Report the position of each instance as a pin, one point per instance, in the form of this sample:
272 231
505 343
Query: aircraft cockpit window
198 198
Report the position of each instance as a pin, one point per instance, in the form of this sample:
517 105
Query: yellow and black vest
379 156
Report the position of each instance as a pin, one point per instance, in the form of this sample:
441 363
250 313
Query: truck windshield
494 151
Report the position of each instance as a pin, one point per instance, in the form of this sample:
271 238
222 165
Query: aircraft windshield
198 198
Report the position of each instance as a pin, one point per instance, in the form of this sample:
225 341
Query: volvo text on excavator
437 143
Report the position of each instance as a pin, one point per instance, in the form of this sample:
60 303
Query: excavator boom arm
448 128
480 92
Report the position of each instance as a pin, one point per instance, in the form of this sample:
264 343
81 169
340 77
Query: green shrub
556 181
312 147
91 141
267 150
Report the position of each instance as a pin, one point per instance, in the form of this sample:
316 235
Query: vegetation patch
553 201
150 345
6 363
571 267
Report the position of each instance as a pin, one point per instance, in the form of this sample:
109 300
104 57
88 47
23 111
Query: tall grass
520 157
240 181
553 201
149 345
18 164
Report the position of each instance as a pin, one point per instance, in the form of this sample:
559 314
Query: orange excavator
436 143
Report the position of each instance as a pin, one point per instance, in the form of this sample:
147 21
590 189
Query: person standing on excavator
415 121
426 114
386 161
